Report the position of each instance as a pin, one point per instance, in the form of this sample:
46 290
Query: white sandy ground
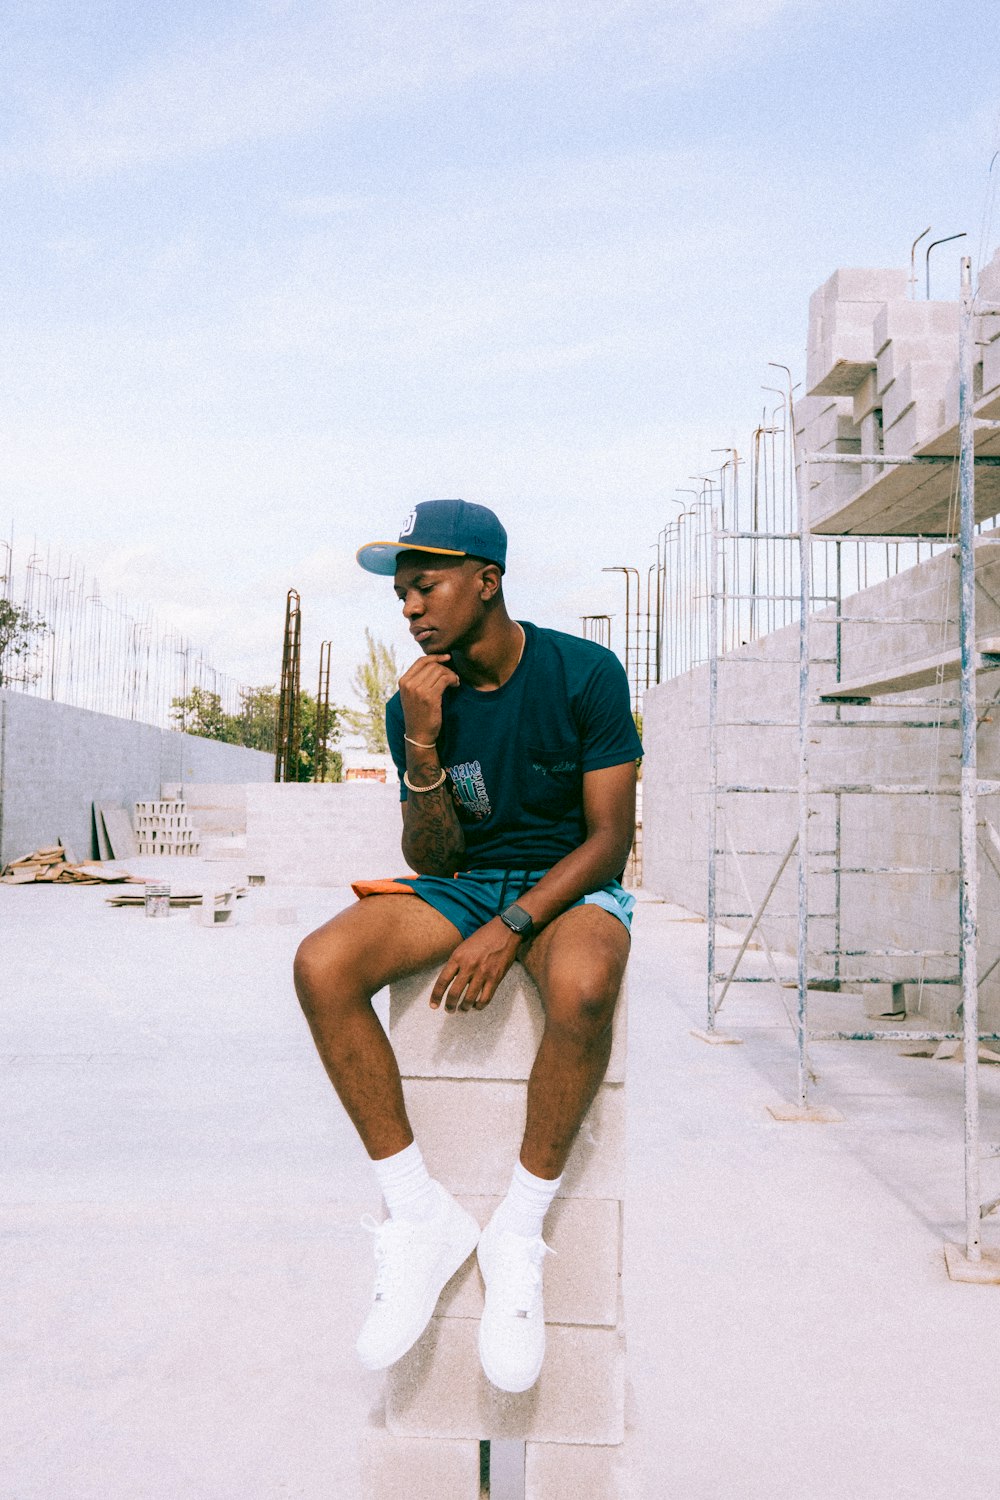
183 1270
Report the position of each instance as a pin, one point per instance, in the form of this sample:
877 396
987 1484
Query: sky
276 270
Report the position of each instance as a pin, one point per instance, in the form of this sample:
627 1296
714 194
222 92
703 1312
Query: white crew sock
407 1186
528 1198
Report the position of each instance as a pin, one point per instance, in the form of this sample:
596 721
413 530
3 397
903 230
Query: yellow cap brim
380 557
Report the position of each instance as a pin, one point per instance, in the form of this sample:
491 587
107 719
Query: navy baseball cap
454 528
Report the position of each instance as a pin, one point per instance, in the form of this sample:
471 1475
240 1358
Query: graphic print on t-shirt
469 788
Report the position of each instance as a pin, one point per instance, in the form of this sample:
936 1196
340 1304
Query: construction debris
118 830
52 867
177 898
950 1050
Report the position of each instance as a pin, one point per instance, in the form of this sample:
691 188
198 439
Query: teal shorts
472 898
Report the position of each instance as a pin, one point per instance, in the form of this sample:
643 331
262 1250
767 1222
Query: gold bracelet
420 744
433 786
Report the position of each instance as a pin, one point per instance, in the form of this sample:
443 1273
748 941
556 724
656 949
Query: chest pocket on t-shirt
551 779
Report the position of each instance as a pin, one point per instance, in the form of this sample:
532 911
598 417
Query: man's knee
325 969
581 1002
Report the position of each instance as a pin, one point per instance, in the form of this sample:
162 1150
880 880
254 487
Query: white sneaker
512 1331
413 1262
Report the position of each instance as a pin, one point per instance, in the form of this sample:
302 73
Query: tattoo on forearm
433 841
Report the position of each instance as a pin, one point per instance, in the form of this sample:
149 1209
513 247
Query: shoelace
391 1241
521 1272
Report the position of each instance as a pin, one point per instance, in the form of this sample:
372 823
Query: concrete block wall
57 760
916 612
465 1079
218 809
326 834
842 314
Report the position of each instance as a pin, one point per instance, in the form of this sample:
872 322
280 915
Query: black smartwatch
518 920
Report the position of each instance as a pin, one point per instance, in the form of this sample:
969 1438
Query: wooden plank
911 499
100 837
121 839
944 667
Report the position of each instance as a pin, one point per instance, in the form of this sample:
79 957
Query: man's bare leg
338 969
577 962
428 1234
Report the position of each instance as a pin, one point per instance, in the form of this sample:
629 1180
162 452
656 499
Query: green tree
19 632
255 725
201 713
258 717
307 744
374 682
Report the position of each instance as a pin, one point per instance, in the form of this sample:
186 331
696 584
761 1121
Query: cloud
289 72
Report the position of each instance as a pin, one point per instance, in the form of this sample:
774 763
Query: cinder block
582 1278
808 409
578 1471
470 1135
991 366
914 428
867 284
897 354
865 398
439 1388
905 320
498 1042
924 381
989 280
832 426
838 365
424 1468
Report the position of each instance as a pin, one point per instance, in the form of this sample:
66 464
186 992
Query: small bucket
157 899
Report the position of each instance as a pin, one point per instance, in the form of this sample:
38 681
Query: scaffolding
772 568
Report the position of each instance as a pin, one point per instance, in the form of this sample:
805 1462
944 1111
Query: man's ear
490 579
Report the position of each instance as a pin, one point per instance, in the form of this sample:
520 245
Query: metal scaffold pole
968 885
805 616
713 764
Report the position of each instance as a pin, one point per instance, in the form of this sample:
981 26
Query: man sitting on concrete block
517 754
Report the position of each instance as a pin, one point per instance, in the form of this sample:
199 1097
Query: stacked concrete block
165 828
989 338
465 1082
916 346
419 1469
825 424
842 314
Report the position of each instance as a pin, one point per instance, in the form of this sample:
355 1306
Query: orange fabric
380 888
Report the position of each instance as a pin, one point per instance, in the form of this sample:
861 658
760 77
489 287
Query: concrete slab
184 1273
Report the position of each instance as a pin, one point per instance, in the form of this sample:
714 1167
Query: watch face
517 920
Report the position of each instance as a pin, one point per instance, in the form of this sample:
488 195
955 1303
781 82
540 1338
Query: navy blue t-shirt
516 756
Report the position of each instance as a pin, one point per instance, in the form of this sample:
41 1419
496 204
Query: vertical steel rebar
288 729
323 713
